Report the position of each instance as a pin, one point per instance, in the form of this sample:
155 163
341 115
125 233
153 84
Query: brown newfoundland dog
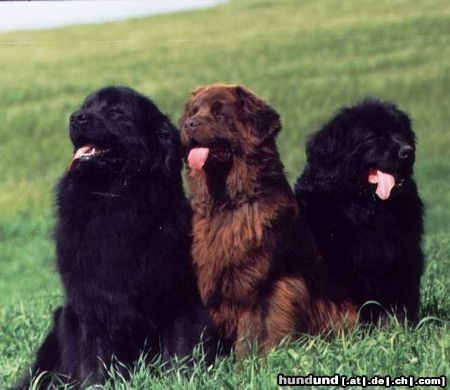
255 265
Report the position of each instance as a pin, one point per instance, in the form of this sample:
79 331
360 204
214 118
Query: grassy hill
307 58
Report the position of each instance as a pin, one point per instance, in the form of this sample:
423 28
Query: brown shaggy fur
254 263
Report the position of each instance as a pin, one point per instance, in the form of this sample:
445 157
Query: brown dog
252 255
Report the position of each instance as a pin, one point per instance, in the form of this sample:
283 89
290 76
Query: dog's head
119 131
222 122
367 147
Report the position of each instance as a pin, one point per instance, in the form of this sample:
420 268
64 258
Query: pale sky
31 15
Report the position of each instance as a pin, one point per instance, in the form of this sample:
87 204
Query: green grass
307 58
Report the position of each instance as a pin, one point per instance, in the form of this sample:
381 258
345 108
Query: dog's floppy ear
263 117
170 149
327 147
162 139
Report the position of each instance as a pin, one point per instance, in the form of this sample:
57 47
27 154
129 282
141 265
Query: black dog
362 204
123 243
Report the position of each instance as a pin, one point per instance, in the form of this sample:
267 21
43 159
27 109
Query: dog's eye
371 138
217 110
194 110
216 107
115 110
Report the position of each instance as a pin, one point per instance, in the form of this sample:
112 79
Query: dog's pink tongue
83 150
197 158
385 182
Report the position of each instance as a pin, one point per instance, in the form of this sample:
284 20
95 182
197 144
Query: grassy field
307 58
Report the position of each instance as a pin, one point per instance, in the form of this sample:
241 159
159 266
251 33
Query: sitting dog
122 243
361 202
251 251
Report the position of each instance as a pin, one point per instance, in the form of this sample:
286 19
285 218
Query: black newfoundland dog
360 199
123 246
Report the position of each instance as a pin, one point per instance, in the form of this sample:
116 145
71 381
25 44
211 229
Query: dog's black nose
192 123
78 117
405 151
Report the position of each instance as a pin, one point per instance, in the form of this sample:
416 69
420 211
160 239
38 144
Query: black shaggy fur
123 246
371 246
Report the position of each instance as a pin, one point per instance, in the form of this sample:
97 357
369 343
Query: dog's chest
370 234
231 258
229 234
98 240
